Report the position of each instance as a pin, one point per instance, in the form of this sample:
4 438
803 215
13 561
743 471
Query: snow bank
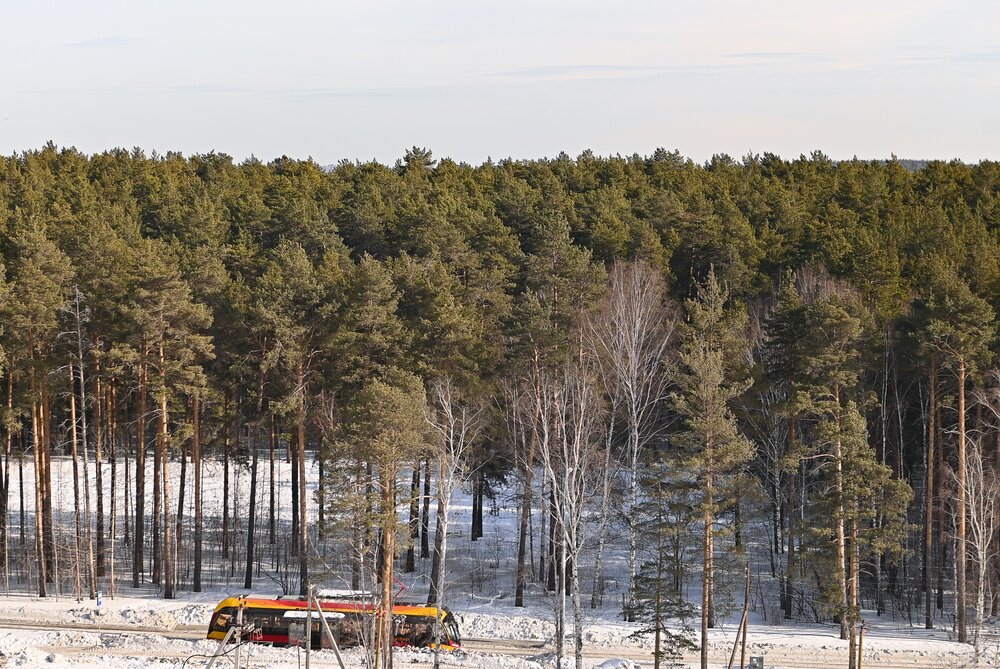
504 626
618 663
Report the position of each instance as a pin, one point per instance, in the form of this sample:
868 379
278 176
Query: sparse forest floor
137 628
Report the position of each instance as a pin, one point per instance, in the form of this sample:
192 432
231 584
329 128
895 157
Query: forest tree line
689 344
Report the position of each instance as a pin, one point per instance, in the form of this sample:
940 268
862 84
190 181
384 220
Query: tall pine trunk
88 534
383 634
440 531
39 530
303 518
270 506
251 520
99 437
841 568
45 421
113 445
792 526
157 570
929 498
852 614
476 508
196 464
960 546
425 513
181 493
5 478
942 552
164 447
225 477
521 577
252 516
709 553
414 522
139 524
293 448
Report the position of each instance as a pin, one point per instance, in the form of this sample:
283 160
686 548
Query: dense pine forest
788 362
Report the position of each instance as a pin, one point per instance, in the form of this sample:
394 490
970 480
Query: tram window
268 622
224 620
414 630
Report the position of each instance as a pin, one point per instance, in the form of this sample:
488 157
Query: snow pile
504 626
17 651
618 663
548 660
148 617
194 614
608 635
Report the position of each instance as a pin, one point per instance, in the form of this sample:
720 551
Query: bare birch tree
981 486
80 315
572 455
632 337
457 425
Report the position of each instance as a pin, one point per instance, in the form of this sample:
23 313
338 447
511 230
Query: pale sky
471 79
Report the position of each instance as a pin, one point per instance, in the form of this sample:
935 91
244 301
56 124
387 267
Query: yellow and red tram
412 625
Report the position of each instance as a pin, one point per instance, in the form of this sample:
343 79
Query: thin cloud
104 43
547 71
600 72
978 57
140 91
769 55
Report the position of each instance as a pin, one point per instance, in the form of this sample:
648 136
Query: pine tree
961 328
665 515
711 374
385 420
40 275
169 326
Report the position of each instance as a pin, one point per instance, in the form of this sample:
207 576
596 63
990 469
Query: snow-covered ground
138 629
